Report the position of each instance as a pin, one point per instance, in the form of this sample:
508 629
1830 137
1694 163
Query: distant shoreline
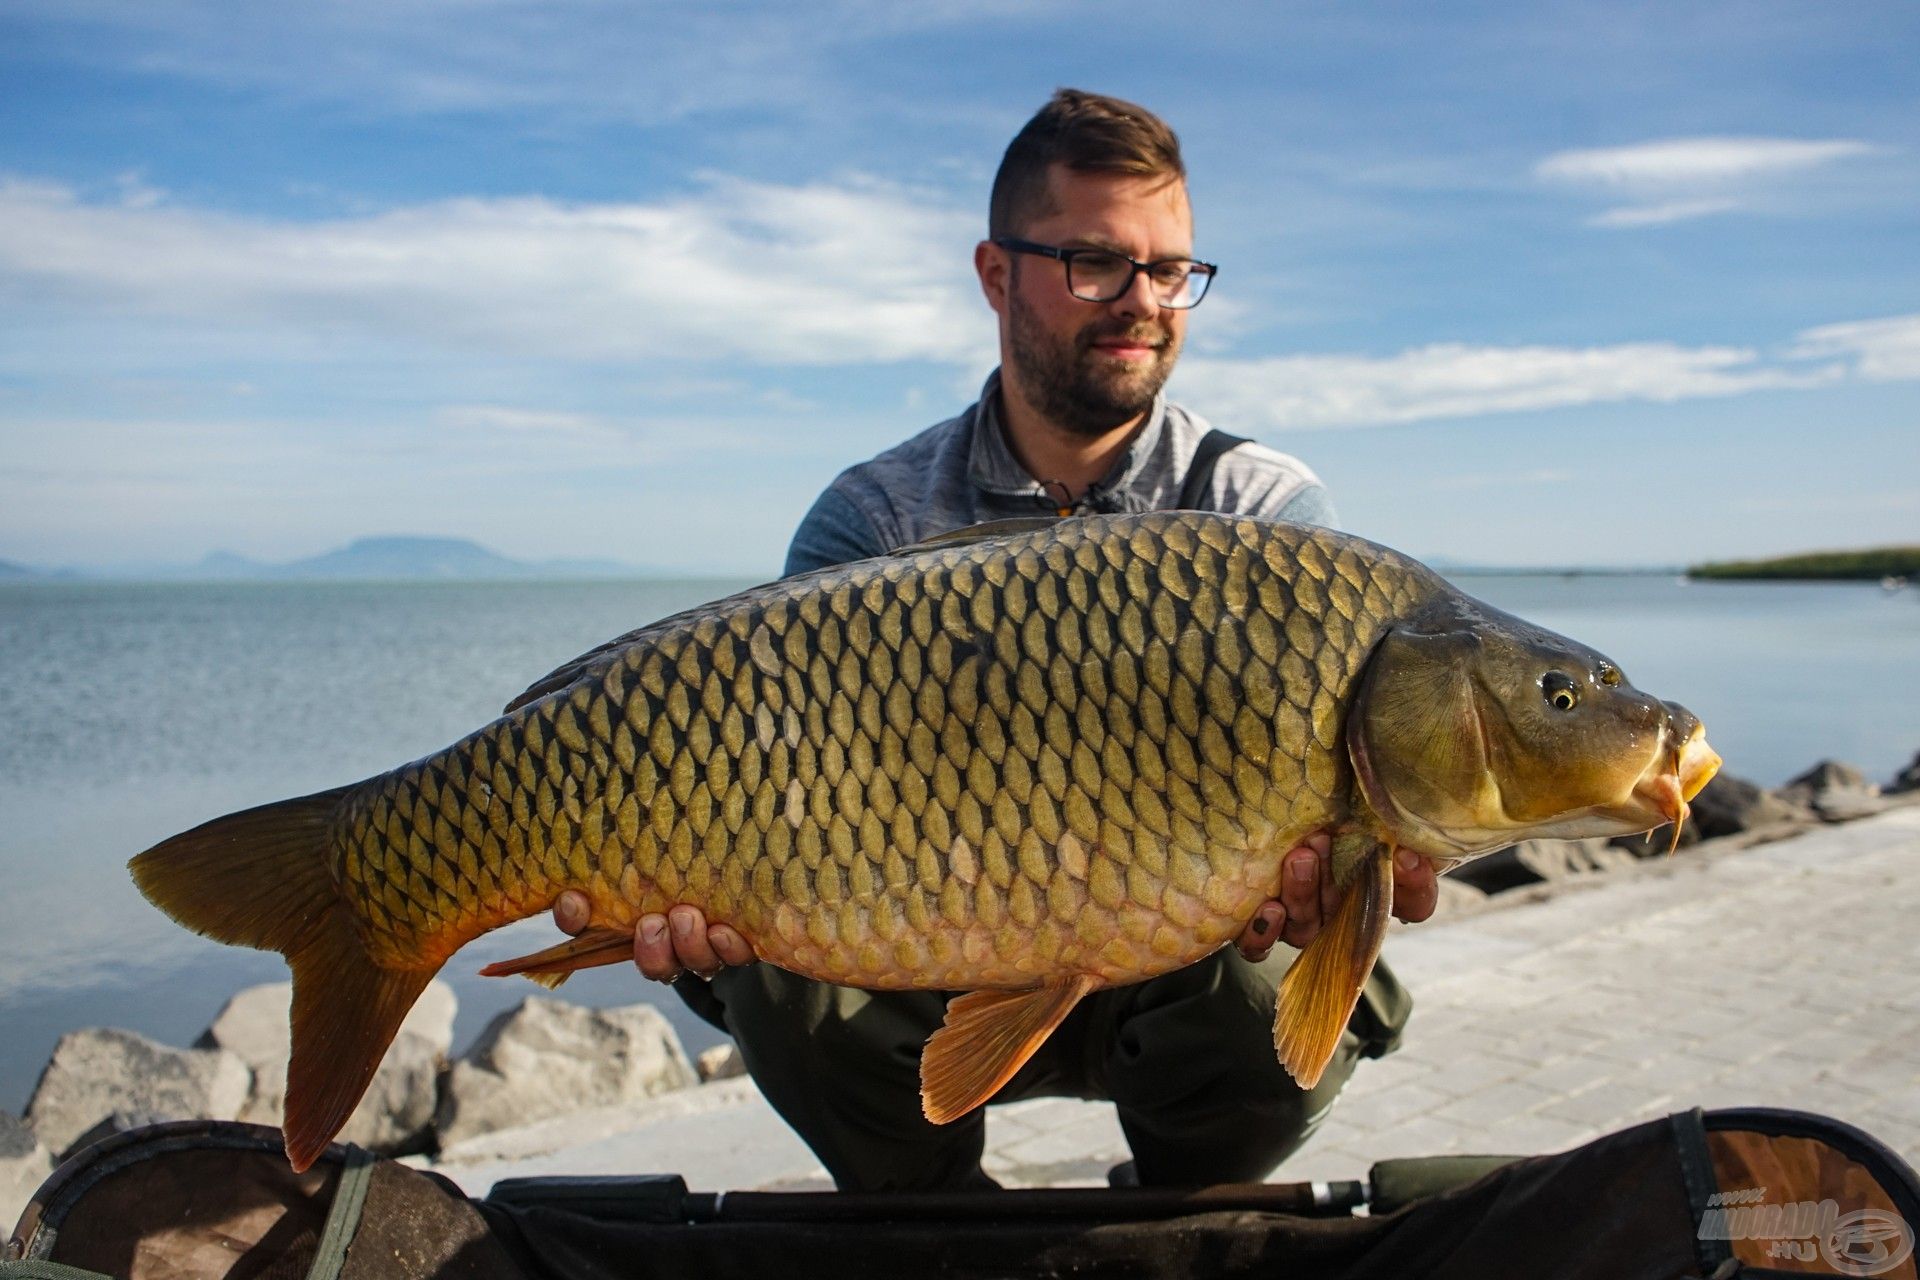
1877 564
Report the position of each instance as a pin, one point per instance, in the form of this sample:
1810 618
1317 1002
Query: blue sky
1556 283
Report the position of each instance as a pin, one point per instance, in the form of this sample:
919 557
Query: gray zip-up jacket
961 472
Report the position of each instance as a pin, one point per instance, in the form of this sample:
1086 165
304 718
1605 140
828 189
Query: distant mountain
372 559
9 570
437 558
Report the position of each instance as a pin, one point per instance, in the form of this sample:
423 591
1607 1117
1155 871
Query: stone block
396 1113
545 1058
24 1165
101 1070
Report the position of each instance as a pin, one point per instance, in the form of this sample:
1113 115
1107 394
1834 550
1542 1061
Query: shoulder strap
1200 472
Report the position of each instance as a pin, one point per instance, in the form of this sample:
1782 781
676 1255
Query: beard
1077 390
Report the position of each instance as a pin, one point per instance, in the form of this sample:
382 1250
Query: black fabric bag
1750 1193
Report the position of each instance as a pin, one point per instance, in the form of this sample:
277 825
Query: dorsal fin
978 533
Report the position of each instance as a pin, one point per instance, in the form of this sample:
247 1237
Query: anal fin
986 1038
1321 988
550 967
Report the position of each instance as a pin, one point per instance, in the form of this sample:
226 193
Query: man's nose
1138 302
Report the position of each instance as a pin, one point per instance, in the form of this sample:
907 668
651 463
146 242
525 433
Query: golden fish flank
1053 755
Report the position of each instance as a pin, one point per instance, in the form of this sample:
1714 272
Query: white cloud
1452 380
1686 161
1653 215
1884 350
1677 179
822 274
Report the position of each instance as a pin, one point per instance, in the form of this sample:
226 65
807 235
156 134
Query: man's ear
994 266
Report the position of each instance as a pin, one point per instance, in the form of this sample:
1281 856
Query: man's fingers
571 911
653 949
1300 894
1257 939
1416 887
690 942
730 946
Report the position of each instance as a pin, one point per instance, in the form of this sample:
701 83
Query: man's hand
1308 897
665 946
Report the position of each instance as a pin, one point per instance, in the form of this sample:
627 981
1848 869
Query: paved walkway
1784 975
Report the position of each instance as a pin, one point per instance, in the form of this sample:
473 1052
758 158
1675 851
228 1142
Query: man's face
1091 367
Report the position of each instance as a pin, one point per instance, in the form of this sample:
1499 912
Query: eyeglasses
1101 275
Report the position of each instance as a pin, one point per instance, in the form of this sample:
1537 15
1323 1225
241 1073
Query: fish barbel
1025 761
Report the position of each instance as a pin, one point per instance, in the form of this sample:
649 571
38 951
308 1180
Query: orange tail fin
260 878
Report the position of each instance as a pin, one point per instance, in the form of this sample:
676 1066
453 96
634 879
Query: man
1089 267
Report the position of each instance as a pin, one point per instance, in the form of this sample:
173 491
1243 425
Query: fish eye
1609 674
1560 689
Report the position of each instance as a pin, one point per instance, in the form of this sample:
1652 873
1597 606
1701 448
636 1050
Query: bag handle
343 1219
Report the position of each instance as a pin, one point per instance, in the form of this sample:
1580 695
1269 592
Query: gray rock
546 1058
1532 861
395 1116
101 1070
1458 898
1729 805
722 1062
1834 790
1908 779
118 1122
253 1023
24 1165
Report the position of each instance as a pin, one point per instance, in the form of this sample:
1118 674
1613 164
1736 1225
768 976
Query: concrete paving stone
1529 1135
1606 1106
1637 1046
1902 1103
1561 1039
1421 1136
1495 1104
1395 1068
1470 1071
1901 1134
1335 1132
1320 1166
1390 1106
1737 1047
1092 1132
1672 1073
1880 1073
1572 1073
1507 1040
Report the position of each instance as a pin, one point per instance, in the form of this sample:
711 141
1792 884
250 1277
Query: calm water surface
132 712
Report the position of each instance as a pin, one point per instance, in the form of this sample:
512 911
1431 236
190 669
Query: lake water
132 712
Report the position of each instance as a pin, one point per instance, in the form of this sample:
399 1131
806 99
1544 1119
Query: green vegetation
1871 565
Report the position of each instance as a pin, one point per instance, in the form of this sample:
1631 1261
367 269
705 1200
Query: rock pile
1728 807
539 1060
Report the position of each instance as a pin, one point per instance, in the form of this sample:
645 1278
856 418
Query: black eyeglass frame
1205 270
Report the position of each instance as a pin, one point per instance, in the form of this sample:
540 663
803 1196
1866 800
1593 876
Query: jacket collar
992 467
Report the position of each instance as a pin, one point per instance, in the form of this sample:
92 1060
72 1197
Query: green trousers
1187 1059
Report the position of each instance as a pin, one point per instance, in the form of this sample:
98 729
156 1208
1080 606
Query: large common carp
1025 761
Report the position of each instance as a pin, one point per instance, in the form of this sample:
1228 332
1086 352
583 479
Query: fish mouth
1682 769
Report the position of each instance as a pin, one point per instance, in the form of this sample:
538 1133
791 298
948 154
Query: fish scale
892 774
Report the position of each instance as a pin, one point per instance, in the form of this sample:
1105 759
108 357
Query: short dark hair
1087 132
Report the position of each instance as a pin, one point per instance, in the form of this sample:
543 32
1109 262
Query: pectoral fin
550 968
1318 994
986 1038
